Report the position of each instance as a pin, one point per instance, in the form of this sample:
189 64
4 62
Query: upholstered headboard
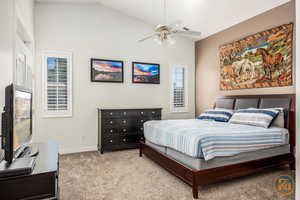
286 101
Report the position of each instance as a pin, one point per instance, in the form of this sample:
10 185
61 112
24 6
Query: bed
198 168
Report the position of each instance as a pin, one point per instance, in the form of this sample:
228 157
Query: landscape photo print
260 60
106 70
145 73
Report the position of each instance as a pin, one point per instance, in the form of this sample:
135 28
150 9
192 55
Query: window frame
23 53
184 109
58 113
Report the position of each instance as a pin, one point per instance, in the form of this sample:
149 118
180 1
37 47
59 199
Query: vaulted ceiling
207 16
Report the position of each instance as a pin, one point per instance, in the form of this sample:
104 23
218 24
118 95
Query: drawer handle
111 131
111 122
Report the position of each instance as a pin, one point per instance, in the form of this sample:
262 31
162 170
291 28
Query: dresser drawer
149 113
125 122
111 122
155 113
143 113
111 114
141 121
110 132
130 139
128 113
111 141
140 130
122 122
124 130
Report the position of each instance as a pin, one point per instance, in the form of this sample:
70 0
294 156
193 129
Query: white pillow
218 114
279 120
254 117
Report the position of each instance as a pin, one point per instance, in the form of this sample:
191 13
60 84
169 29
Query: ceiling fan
163 32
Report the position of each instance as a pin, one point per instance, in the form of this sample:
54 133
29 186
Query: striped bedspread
210 139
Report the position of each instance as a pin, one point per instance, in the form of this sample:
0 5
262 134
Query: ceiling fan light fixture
163 32
164 37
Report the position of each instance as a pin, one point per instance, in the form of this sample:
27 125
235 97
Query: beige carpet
123 175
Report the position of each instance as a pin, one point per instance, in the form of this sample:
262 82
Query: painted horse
269 61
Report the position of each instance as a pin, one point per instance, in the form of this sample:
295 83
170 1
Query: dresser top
122 108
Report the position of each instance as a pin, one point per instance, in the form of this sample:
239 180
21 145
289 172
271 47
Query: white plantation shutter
58 82
57 88
179 90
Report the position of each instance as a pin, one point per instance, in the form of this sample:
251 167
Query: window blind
57 84
178 87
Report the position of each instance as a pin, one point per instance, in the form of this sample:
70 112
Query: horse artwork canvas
260 60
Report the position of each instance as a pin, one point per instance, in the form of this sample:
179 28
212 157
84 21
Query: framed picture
107 70
260 60
145 73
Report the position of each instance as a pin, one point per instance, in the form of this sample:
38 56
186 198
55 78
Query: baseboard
77 149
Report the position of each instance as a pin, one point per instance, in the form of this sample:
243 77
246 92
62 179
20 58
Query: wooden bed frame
196 178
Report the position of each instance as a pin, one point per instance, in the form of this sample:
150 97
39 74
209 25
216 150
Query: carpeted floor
123 175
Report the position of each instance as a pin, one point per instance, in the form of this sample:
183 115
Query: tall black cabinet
123 128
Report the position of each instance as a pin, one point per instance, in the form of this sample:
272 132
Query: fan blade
146 38
175 24
188 32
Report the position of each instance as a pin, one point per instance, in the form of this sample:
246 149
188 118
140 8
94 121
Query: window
179 89
57 80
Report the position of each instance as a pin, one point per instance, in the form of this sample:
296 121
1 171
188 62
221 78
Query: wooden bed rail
196 178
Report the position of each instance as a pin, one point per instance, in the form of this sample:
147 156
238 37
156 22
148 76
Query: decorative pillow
254 117
279 120
219 115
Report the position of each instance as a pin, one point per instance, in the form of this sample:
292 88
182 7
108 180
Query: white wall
298 100
93 31
24 10
6 47
8 39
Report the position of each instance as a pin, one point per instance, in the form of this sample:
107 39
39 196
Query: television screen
22 119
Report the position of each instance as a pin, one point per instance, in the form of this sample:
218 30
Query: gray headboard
257 101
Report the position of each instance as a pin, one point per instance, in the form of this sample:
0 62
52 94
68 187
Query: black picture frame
156 79
93 71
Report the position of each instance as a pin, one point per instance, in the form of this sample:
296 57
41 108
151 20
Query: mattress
157 147
209 139
200 164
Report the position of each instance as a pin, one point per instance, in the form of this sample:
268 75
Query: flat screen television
16 121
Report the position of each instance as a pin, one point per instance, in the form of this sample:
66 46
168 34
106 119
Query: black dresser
123 128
